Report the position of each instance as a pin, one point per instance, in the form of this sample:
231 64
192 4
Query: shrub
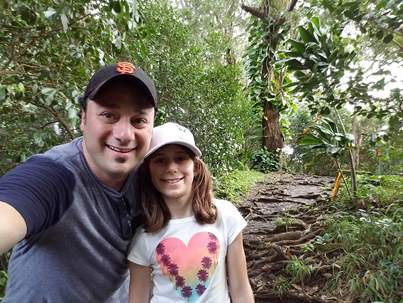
265 161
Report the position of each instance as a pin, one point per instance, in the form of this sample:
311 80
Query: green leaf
379 35
49 94
306 35
298 46
294 64
309 139
2 93
325 110
381 4
115 5
315 20
388 38
20 88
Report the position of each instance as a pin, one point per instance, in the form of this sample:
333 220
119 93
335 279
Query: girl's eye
158 160
182 158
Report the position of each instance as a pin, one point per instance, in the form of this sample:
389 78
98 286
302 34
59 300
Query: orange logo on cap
125 68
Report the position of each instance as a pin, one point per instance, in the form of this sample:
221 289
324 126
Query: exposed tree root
280 230
292 298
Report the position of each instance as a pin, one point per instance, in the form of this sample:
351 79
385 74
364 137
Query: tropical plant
298 269
325 137
267 30
319 60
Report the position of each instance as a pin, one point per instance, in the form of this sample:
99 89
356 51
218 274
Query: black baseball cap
120 69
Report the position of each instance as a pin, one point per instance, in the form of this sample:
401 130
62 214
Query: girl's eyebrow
157 154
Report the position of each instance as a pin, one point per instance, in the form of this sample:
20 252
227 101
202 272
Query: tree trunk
272 136
356 127
273 139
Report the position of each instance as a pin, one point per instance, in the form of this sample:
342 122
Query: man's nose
123 131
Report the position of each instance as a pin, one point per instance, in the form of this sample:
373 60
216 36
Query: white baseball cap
172 133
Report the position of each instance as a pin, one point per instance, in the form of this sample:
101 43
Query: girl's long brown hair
156 213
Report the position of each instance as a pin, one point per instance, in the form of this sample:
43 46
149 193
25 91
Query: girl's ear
196 167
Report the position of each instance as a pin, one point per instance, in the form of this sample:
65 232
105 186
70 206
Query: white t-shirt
187 258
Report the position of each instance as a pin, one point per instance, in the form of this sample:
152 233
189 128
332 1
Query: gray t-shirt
78 230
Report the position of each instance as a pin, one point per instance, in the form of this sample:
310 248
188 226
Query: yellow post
336 185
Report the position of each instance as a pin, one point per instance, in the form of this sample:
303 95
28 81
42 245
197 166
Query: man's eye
141 122
107 116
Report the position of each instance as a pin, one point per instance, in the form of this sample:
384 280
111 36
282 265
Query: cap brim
194 149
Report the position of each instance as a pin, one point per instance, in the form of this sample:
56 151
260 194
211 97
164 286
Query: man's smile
120 149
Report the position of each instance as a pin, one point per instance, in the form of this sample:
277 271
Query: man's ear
82 118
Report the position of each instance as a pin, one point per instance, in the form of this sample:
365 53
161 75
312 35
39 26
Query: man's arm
12 227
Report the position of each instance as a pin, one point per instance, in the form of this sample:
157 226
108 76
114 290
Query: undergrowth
370 237
235 185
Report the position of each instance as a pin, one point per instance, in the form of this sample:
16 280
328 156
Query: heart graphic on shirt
189 267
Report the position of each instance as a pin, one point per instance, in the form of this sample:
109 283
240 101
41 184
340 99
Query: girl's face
172 172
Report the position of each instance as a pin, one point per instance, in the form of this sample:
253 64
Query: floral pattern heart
189 267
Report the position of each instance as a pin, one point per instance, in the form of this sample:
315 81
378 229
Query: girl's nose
172 167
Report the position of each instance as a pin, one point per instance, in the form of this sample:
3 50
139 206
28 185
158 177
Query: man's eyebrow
142 111
104 102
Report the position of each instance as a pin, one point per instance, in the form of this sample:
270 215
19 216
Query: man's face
117 130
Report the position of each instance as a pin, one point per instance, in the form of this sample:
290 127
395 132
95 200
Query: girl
190 242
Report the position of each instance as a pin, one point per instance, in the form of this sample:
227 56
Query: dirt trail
283 214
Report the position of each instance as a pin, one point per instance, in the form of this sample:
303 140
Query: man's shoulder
50 166
64 152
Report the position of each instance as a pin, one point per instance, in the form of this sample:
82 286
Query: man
71 211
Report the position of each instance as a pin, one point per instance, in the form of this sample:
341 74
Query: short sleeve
139 251
40 189
232 219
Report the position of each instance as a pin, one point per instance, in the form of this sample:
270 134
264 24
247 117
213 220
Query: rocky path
284 214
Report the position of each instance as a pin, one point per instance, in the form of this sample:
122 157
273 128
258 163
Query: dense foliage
49 49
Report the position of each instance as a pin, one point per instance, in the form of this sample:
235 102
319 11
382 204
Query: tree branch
292 5
254 11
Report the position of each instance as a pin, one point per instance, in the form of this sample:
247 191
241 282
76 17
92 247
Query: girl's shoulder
224 206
